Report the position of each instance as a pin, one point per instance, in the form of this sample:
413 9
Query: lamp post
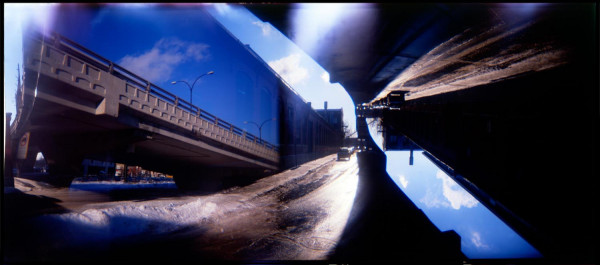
192 86
260 126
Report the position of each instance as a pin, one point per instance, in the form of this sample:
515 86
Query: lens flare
313 24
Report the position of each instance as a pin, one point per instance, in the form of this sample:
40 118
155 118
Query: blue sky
169 43
450 207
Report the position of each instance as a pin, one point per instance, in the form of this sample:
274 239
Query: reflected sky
450 207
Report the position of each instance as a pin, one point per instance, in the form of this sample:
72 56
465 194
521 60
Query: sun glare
312 23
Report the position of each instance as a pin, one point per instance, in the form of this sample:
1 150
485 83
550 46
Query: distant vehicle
345 153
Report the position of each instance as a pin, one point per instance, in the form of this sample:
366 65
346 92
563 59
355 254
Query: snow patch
136 218
95 217
118 185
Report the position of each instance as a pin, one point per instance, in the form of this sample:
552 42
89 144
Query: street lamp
192 86
260 126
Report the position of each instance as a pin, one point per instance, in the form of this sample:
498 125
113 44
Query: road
298 214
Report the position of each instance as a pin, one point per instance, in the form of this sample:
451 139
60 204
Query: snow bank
143 219
118 185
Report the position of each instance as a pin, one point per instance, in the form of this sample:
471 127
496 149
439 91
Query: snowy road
295 215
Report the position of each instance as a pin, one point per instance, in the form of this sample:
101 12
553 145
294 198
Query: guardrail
130 78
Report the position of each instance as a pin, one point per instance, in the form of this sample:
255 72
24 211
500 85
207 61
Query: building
304 133
335 117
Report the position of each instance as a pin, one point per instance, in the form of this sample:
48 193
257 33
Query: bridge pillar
209 179
63 159
63 170
26 164
8 158
198 180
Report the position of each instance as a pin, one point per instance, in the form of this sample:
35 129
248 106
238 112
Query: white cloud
454 193
432 200
265 27
477 241
289 69
158 63
403 181
448 194
325 77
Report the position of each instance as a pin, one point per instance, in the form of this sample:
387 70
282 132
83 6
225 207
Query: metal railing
102 63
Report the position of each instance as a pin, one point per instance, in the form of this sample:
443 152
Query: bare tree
348 132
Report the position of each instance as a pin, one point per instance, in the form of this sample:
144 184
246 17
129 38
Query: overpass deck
63 78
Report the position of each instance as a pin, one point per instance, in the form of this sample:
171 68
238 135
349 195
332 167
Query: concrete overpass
74 104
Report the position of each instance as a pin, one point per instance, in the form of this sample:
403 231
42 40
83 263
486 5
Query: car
345 153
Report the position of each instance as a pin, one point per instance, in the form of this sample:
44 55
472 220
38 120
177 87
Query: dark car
345 153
